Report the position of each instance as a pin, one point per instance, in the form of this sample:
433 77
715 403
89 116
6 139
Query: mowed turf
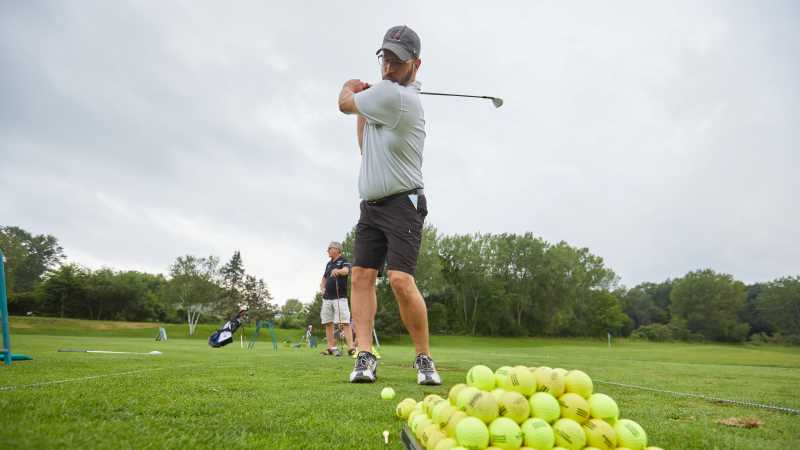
193 396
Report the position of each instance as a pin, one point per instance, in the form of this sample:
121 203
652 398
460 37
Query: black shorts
390 230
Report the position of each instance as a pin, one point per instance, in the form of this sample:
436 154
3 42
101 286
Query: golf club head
498 102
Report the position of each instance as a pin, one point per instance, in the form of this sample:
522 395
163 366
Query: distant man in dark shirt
334 299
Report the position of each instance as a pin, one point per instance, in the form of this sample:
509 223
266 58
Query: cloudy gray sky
661 135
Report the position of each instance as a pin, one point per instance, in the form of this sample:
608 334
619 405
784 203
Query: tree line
520 285
473 284
40 282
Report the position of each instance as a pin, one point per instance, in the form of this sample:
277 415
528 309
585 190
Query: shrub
656 332
680 330
759 338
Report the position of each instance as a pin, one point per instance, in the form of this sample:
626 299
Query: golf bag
224 335
162 334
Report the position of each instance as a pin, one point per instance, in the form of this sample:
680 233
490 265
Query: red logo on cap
396 34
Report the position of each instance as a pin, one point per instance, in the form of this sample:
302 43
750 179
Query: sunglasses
382 59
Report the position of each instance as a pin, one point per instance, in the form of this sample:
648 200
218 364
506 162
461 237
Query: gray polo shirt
394 137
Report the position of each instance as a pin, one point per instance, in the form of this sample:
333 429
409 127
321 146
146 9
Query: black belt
417 191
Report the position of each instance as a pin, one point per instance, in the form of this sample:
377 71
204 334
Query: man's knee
363 277
403 284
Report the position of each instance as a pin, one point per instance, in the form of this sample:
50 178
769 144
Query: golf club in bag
224 335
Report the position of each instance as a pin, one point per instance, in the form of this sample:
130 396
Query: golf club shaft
457 95
496 101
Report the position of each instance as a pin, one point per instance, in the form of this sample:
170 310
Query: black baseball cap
402 41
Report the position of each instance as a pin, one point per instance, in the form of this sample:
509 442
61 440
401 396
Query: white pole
154 352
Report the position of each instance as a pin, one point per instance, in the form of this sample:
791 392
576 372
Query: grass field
193 396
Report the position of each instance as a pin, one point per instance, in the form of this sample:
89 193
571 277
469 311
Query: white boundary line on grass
746 403
92 377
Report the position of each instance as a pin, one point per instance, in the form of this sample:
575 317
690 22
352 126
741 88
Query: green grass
193 396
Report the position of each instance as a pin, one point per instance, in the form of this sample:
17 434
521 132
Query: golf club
498 102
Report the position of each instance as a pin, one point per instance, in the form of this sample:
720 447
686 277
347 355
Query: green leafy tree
601 313
779 305
232 273
103 294
560 283
710 303
313 311
125 295
466 268
571 279
644 304
232 278
74 291
554 303
257 299
292 308
293 314
193 287
387 316
517 260
28 257
751 313
429 277
63 292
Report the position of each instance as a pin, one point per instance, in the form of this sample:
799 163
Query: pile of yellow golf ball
528 408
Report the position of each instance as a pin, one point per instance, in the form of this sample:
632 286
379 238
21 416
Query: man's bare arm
346 103
344 271
322 285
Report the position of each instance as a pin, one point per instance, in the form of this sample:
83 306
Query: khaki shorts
335 311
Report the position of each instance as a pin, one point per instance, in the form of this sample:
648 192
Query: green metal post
272 335
4 310
253 337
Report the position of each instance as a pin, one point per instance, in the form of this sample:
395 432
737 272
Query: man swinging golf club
391 135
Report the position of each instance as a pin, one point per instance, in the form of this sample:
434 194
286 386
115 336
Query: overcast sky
661 135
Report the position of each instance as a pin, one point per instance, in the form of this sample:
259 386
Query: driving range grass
193 396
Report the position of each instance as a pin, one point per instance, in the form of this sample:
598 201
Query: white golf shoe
426 371
366 368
